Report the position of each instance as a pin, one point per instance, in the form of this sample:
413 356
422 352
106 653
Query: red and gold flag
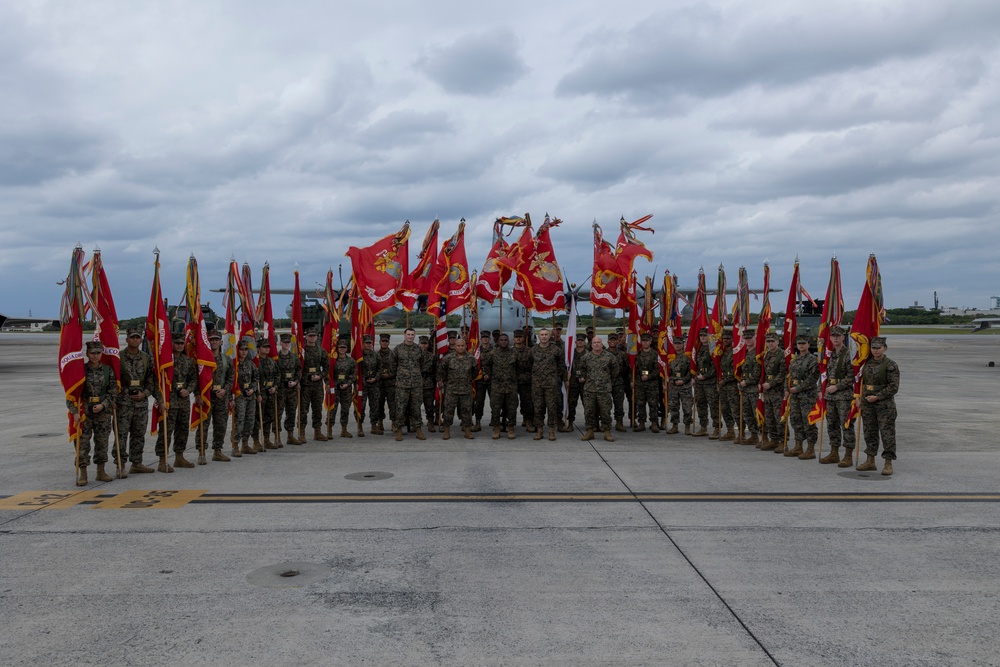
379 269
791 327
494 274
699 321
72 367
160 344
298 336
867 323
760 343
417 283
833 312
718 320
606 285
540 272
453 288
265 314
741 320
105 316
198 347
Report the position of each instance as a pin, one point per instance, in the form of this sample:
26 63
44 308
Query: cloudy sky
286 132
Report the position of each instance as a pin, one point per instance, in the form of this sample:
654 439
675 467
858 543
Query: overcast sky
288 131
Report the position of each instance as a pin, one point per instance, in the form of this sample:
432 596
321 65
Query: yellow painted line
48 500
136 499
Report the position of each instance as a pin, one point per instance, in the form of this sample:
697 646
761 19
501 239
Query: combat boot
639 427
468 433
361 430
796 450
729 435
139 468
832 457
564 426
529 425
752 440
869 464
246 448
701 432
672 429
538 434
267 442
552 433
81 476
217 455
344 433
653 428
235 453
848 459
292 440
431 427
257 447
608 437
420 434
302 436
379 428
770 445
319 436
589 435
399 434
715 434
886 469
510 432
120 471
181 462
478 427
810 452
687 429
619 426
163 466
102 476
781 448
496 433
445 432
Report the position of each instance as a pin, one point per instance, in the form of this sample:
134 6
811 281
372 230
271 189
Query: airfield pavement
651 550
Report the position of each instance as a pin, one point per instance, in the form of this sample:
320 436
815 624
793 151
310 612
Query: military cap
771 336
557 325
263 342
134 331
518 333
703 331
619 330
384 336
749 332
367 338
837 331
424 339
285 338
178 336
726 333
590 329
215 335
646 336
95 345
802 338
311 331
342 343
879 341
243 344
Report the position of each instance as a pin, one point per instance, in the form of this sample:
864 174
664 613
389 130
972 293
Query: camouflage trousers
246 413
460 402
386 396
430 405
773 427
526 402
483 390
836 414
597 410
547 400
219 418
729 398
177 427
680 397
575 396
407 412
288 405
799 407
647 394
344 403
133 420
503 406
311 400
879 421
617 400
268 404
706 397
97 427
369 403
748 396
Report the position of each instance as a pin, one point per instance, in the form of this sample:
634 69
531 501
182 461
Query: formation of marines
410 383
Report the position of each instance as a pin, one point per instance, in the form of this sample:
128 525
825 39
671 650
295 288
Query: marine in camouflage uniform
369 385
428 370
729 395
749 391
482 385
386 383
245 391
879 385
269 379
575 392
523 356
408 360
803 374
599 370
679 396
456 372
548 371
706 387
647 385
138 381
178 422
222 385
316 363
839 397
500 366
345 376
618 381
773 375
289 375
100 391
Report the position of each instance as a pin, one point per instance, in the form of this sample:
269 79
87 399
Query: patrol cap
243 345
646 336
879 341
837 331
726 333
367 338
286 338
384 336
342 344
590 329
802 338
452 334
215 335
518 333
262 341
311 331
95 345
703 331
747 333
134 331
619 330
178 336
771 336
424 339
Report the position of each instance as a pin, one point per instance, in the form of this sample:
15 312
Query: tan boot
399 434
81 476
236 453
431 427
319 436
608 437
848 459
478 427
445 432
619 426
552 433
510 432
752 440
687 429
589 435
769 445
181 462
291 439
869 464
163 466
672 429
886 468
715 434
120 471
139 468
538 434
245 448
257 447
832 457
102 476
496 433
810 452
379 428
420 434
302 436
468 433
701 432
639 427
796 450
564 426
781 448
361 430
217 455
344 433
268 444
729 435
654 428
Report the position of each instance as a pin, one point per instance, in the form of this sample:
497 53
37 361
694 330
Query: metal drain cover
870 476
369 476
40 435
288 575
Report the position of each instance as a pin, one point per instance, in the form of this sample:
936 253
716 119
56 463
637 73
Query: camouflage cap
367 338
424 339
385 337
749 332
646 336
703 331
518 333
590 329
727 334
342 344
243 345
771 336
178 336
879 341
263 342
837 331
215 335
134 331
452 334
286 338
802 338
95 345
311 331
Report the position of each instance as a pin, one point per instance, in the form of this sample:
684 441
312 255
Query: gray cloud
477 64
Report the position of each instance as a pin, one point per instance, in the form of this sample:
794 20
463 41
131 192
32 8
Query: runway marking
173 499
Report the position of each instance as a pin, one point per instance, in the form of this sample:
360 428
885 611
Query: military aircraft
8 322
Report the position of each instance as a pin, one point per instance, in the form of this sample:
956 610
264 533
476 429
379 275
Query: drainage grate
288 575
41 435
369 476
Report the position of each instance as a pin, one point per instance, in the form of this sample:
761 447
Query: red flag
741 319
760 344
627 250
416 284
453 289
699 321
669 321
197 345
494 274
72 367
718 320
441 336
160 344
606 286
519 258
867 324
248 314
105 316
329 339
362 324
378 269
790 329
833 311
264 312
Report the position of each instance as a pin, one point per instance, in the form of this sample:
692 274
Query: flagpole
120 465
77 430
201 439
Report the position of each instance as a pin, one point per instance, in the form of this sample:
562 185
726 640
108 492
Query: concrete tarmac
651 550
